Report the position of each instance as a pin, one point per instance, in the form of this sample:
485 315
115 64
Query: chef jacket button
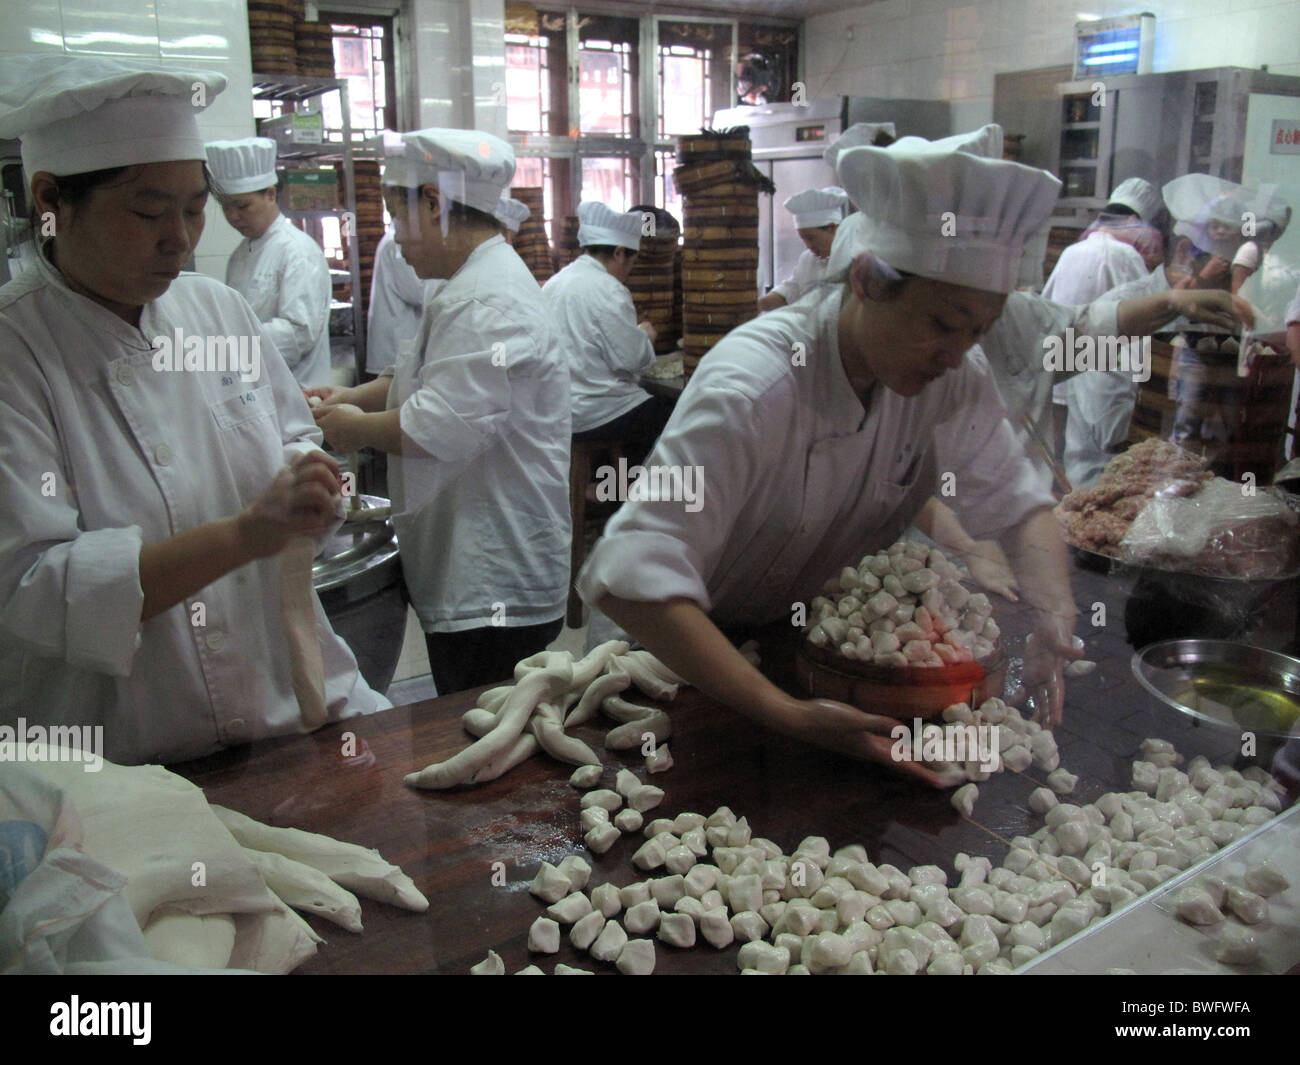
162 455
125 375
216 640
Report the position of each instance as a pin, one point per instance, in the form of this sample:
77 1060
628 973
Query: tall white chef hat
1242 212
242 166
598 224
856 136
465 165
512 213
814 208
1139 195
937 210
76 114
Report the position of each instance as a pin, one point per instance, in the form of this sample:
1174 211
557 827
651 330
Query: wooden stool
582 453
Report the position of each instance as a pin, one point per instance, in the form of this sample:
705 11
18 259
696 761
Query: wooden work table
450 842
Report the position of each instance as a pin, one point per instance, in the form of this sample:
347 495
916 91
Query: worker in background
1122 244
817 214
597 330
477 409
277 267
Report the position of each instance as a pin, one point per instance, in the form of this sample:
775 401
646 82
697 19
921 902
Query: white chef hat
813 208
242 166
512 213
1139 195
76 114
857 135
465 165
1195 200
598 224
937 210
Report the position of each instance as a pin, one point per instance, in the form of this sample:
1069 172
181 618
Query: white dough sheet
1148 938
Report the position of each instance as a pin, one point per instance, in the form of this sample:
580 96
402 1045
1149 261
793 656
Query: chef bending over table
155 541
820 429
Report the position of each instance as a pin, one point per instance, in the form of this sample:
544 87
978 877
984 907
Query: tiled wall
951 49
454 59
208 34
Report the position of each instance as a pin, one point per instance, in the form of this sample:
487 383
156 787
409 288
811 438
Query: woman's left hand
1050 646
343 425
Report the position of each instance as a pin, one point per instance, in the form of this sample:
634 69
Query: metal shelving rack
290 92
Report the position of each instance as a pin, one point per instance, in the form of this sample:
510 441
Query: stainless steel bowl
1229 685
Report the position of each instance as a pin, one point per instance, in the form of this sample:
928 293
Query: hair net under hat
1218 215
77 114
601 225
242 166
814 208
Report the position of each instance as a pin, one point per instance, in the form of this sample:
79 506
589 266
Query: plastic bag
1223 530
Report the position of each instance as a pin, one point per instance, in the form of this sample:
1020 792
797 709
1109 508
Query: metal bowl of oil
1231 685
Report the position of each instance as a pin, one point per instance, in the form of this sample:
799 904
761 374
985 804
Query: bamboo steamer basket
903 692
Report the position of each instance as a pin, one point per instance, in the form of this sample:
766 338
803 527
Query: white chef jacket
481 489
1015 347
1099 403
596 331
809 270
286 279
798 480
99 454
397 296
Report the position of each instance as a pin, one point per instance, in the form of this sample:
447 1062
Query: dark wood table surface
453 842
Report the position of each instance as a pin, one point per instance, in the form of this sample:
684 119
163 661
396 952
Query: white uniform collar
844 409
274 227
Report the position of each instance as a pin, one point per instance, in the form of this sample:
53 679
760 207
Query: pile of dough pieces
1205 903
551 694
818 911
904 606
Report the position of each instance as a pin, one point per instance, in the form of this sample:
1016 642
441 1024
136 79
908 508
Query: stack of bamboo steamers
655 282
720 187
531 242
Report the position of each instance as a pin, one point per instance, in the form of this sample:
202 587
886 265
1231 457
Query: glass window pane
528 85
666 194
611 181
604 88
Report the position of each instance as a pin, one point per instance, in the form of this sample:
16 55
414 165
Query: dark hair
1121 209
884 282
607 251
467 215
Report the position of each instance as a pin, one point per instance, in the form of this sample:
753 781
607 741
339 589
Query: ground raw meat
1097 518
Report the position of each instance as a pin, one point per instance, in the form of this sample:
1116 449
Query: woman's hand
301 500
1050 646
1213 307
328 395
990 569
843 728
343 425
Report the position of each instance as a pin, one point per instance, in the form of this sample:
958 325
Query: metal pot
359 580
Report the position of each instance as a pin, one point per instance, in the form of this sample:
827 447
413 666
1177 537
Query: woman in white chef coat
817 214
478 411
152 578
1122 245
396 302
597 332
818 431
277 267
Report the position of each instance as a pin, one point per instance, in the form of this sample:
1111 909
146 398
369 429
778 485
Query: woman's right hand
328 395
301 500
843 728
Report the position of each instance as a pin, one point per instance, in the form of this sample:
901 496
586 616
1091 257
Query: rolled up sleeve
996 487
655 550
